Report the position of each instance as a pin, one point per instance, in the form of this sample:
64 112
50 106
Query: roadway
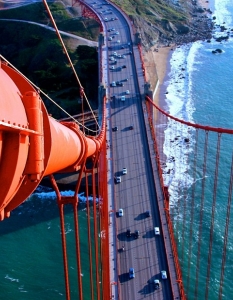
136 193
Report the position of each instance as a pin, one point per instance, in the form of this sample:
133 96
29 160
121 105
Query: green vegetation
38 54
150 9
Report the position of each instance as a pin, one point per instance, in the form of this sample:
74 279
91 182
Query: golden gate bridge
29 142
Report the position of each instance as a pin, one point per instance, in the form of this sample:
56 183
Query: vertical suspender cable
192 208
226 231
89 239
78 253
212 216
95 236
201 214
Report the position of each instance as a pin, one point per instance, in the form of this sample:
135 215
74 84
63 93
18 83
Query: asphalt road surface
135 194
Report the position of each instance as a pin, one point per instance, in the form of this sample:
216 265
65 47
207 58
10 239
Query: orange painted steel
33 144
149 102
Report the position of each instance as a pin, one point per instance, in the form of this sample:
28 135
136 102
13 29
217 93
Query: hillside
167 22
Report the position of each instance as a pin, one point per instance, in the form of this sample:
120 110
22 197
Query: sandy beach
156 62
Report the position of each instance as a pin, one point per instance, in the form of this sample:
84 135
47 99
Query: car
122 98
118 179
118 41
106 19
120 212
119 83
124 171
127 92
131 273
113 29
164 274
157 231
131 127
119 56
117 32
109 30
128 233
123 56
113 97
123 67
147 213
136 234
122 47
112 68
126 79
130 52
129 43
112 58
156 284
114 53
115 128
113 83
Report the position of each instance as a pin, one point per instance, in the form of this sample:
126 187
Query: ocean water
199 89
31 251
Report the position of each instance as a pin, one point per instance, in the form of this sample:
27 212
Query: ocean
31 251
199 89
30 243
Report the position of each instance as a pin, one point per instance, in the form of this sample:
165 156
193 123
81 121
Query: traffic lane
137 193
159 243
147 267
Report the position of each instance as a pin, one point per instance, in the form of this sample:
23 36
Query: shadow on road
140 217
147 289
124 277
149 234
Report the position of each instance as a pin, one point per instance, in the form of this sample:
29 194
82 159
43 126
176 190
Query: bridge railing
196 172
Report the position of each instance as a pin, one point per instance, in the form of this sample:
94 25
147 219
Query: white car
124 171
156 284
127 92
105 19
113 83
112 68
157 231
118 41
118 179
164 274
110 38
122 98
112 58
120 212
117 32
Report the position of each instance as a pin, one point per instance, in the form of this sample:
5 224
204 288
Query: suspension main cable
68 57
47 96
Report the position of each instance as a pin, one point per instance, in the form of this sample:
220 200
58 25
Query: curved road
135 194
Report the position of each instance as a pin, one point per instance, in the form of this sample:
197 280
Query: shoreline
157 65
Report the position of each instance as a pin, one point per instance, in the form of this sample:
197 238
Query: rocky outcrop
196 26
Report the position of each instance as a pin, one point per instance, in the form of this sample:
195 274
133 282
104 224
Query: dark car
119 83
147 213
136 234
115 128
131 127
128 233
123 67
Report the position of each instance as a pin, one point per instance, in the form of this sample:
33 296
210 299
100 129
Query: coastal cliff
166 22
